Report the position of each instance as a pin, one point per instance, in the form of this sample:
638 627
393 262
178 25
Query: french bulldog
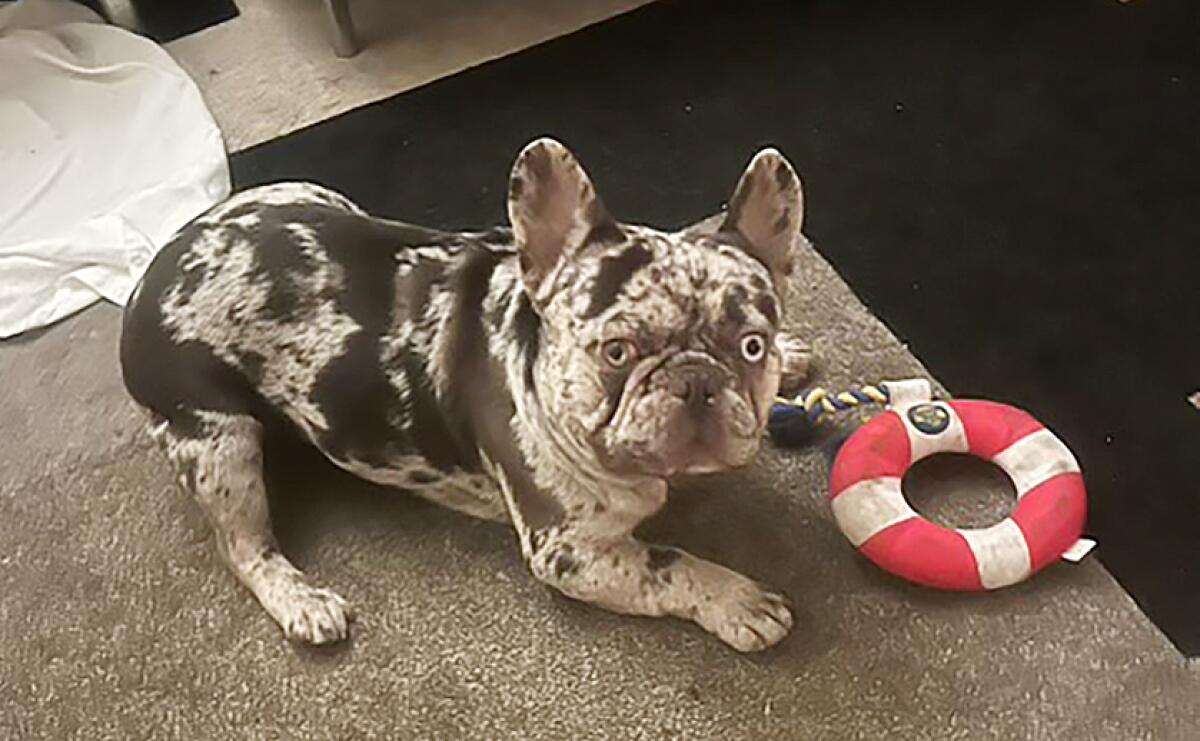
555 375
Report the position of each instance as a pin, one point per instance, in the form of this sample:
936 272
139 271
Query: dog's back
272 300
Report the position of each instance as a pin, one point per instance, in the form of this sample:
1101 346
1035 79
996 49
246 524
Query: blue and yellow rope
807 408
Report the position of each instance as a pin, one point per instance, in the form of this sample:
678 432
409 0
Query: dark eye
754 347
618 353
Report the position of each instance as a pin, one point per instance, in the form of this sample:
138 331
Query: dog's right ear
553 208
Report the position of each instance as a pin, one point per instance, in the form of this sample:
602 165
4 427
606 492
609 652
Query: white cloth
106 149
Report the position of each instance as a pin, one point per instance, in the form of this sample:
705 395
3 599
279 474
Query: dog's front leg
795 362
625 575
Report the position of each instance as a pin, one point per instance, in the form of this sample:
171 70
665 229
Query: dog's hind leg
219 457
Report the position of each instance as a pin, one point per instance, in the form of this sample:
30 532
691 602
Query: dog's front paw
795 363
310 614
746 616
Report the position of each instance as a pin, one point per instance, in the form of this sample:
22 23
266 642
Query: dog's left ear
554 209
767 211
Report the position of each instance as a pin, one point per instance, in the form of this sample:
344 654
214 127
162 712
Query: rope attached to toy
820 401
791 418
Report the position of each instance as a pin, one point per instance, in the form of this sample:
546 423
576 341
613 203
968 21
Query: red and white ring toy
871 510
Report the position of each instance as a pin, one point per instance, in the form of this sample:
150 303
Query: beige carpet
117 620
272 70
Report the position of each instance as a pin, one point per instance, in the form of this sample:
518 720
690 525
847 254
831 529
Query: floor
118 621
272 70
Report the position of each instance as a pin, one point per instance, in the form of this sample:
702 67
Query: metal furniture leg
341 27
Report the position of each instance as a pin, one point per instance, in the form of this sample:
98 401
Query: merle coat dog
555 375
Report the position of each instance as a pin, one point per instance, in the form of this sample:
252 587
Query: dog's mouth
688 462
660 438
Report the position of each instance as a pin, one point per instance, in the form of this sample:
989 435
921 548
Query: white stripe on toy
870 507
1035 459
1001 553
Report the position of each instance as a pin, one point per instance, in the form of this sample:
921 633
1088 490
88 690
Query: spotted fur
470 368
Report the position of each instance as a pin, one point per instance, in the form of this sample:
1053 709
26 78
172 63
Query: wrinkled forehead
674 279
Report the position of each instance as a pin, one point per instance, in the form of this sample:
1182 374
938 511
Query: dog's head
658 347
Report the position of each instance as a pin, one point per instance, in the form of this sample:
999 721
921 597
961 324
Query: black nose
696 386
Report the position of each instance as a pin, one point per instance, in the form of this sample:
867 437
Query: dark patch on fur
281 262
565 563
251 363
467 355
366 253
498 310
283 301
527 327
435 442
606 231
244 209
353 390
768 307
177 380
419 476
660 558
733 305
354 395
412 291
614 273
